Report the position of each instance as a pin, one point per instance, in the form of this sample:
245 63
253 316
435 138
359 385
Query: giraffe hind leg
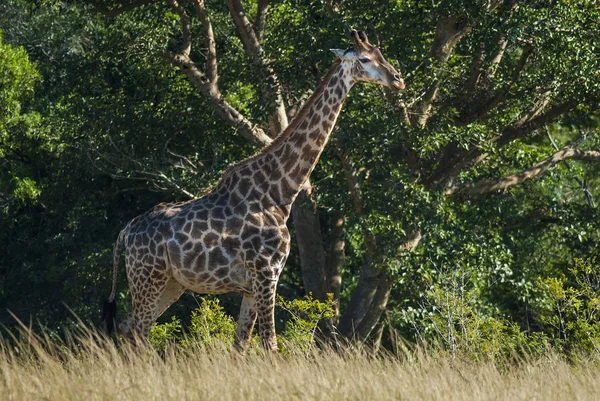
150 296
248 313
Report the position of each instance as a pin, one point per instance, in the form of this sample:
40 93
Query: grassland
92 372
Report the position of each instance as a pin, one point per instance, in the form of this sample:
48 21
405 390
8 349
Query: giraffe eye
364 60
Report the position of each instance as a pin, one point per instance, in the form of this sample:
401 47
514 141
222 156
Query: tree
413 189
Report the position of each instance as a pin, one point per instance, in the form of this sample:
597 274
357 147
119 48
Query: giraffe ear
342 54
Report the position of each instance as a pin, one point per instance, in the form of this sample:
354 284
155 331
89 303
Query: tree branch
495 63
505 183
250 39
356 195
261 19
207 82
209 42
460 159
244 28
480 108
185 27
448 32
582 183
220 105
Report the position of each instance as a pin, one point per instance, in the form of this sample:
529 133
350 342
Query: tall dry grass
87 369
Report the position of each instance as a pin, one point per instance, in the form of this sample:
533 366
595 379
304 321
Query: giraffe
235 238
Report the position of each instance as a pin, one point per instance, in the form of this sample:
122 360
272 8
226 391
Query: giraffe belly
204 277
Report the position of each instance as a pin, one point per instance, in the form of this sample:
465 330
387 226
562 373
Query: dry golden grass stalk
87 367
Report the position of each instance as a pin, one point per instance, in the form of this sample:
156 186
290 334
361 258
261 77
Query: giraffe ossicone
235 238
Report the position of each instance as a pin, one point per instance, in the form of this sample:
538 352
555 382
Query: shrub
304 317
210 326
572 317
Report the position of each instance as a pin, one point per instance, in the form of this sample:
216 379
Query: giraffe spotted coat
235 238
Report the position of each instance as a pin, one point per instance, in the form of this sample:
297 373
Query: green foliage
571 315
165 334
18 124
304 317
210 326
567 321
96 127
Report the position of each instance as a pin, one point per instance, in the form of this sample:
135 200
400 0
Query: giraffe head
366 63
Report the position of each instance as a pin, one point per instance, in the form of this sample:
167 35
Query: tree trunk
335 259
371 295
310 245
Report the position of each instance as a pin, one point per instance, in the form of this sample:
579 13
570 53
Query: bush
572 317
210 326
305 315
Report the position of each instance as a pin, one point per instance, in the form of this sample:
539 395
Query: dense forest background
463 209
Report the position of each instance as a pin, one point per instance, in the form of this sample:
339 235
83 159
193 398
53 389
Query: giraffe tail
109 309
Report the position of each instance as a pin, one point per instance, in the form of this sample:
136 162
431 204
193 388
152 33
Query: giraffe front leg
265 303
246 321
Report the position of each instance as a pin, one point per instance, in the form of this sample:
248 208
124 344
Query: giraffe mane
290 128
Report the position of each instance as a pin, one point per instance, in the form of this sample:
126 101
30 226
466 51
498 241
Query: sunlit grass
86 368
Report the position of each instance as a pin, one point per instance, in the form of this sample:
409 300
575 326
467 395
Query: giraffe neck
276 174
296 150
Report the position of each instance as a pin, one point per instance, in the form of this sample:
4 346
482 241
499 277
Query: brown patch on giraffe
217 213
319 102
249 231
211 240
244 172
290 162
275 174
286 188
244 187
276 194
314 135
278 152
249 253
264 186
202 215
295 174
223 200
230 244
267 168
181 238
255 207
233 225
240 209
234 199
198 228
306 152
190 275
217 225
314 121
234 179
